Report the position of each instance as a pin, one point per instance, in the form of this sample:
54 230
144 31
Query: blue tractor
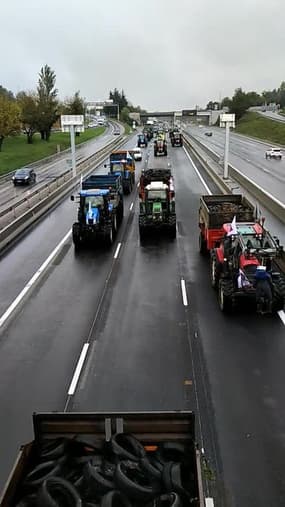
122 164
100 210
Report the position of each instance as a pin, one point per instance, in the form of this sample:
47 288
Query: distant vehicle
176 139
273 153
159 147
24 176
209 134
101 121
116 132
137 154
92 124
142 141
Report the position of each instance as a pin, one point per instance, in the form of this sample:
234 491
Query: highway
272 116
248 156
150 344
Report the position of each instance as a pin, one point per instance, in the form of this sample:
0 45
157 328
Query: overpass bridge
185 115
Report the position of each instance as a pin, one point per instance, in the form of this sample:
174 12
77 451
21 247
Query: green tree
239 103
10 123
74 105
6 93
281 95
29 116
254 99
124 116
212 105
47 101
226 102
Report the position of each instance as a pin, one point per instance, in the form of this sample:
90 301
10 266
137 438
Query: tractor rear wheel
109 237
76 236
278 294
215 272
142 231
202 244
226 291
114 224
172 231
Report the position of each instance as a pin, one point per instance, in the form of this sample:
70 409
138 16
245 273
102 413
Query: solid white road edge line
117 250
184 293
131 206
197 172
32 281
209 502
281 314
138 184
78 369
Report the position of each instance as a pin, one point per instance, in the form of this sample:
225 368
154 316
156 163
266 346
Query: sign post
72 123
227 120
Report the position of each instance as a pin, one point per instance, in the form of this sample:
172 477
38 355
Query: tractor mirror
72 197
105 165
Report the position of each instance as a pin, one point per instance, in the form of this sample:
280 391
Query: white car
137 154
274 153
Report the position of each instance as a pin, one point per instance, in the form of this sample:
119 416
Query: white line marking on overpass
117 250
78 369
281 314
131 206
209 502
184 293
197 172
33 280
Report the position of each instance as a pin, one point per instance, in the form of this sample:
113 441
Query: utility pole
226 156
72 144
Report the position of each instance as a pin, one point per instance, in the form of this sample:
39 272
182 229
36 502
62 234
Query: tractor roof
156 185
94 192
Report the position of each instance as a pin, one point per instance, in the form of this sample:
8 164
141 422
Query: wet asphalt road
147 350
248 156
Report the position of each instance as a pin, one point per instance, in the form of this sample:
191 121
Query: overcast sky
165 54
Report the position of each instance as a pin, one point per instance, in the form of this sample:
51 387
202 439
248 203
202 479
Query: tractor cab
93 204
253 241
159 199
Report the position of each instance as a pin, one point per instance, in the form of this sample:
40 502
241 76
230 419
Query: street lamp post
227 120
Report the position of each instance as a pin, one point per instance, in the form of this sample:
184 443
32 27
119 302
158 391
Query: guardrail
269 201
42 199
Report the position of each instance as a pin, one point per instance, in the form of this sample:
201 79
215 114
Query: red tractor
159 147
242 251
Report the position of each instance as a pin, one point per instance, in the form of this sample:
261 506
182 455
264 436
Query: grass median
18 153
255 125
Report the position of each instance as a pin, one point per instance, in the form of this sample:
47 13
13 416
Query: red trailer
216 210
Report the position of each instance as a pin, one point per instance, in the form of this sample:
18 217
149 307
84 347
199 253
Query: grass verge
255 125
17 152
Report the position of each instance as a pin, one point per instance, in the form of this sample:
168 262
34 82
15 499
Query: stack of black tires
121 473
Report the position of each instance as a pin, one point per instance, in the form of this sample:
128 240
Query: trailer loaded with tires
100 210
143 459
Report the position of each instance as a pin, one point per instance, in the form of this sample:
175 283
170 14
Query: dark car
209 134
24 176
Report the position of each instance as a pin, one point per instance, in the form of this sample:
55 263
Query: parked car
273 153
209 134
24 176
